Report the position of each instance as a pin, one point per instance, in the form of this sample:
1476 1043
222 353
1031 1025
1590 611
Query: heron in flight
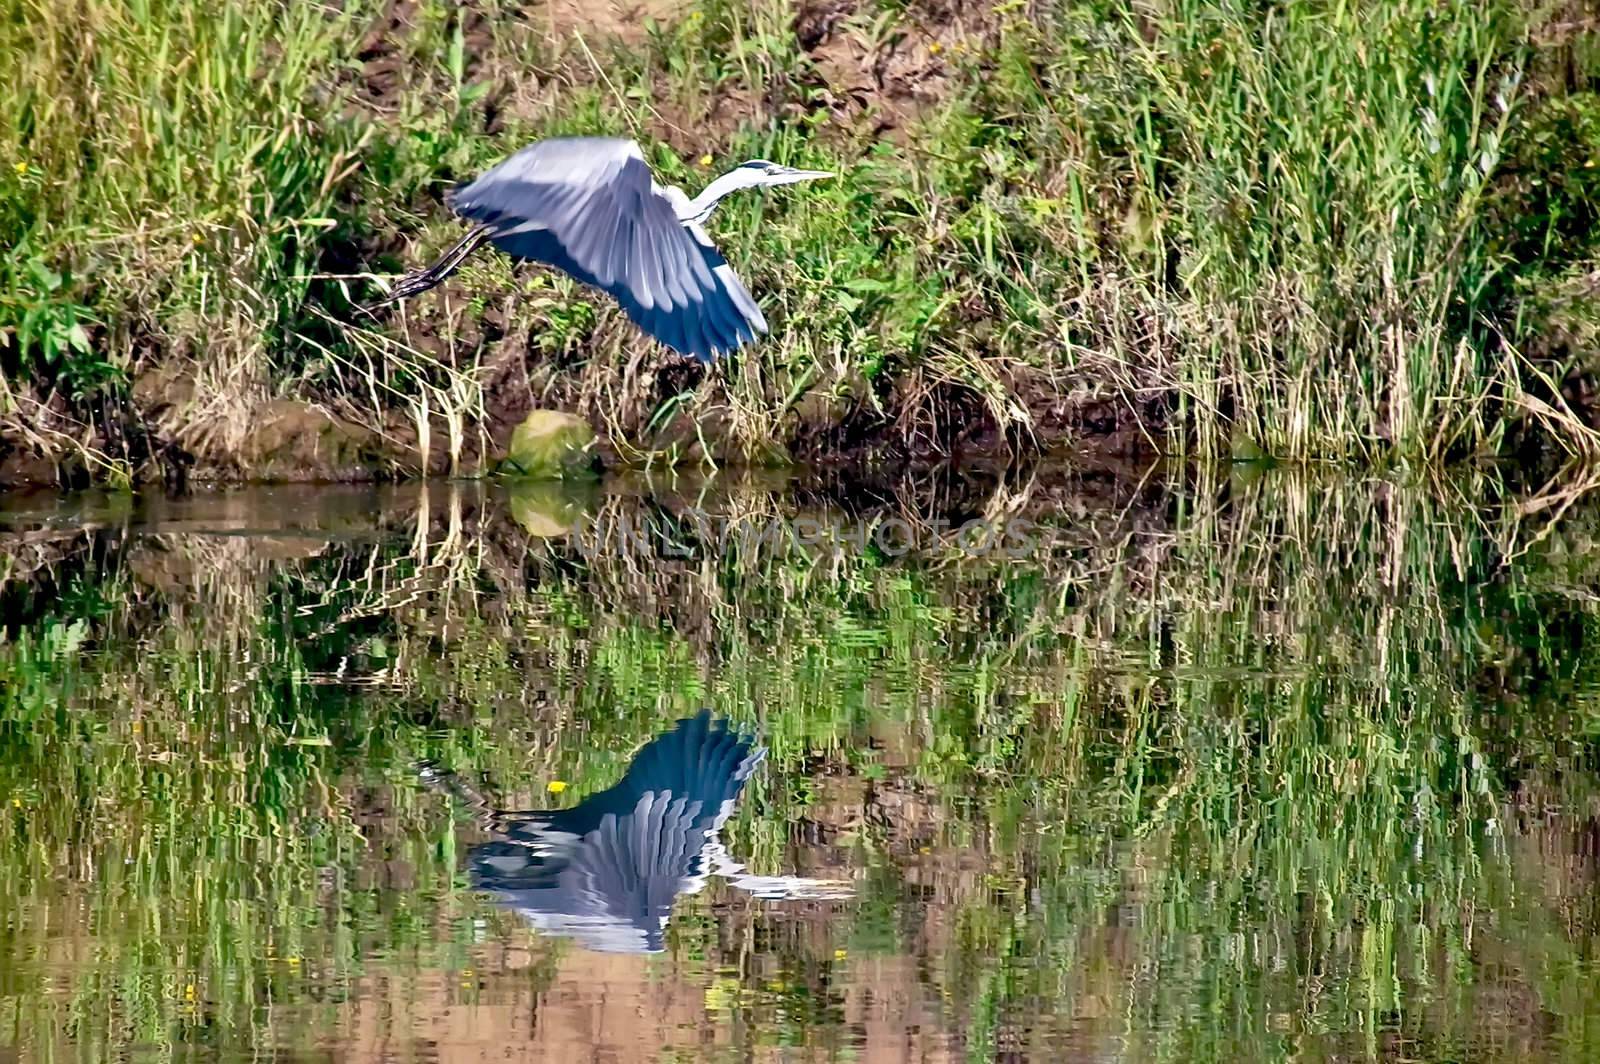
607 871
590 206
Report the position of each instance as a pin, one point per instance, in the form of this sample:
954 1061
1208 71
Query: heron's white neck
700 208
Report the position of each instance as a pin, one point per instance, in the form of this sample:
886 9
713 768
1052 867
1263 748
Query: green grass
1271 773
1315 229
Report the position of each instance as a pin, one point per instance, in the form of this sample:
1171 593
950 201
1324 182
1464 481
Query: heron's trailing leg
453 785
413 284
489 817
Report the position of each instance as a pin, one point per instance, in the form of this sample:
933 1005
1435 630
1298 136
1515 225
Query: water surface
1259 767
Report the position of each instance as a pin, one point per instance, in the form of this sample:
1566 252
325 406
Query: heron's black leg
501 822
455 787
420 281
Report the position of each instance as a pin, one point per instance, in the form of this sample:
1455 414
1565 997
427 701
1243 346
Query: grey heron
589 206
607 871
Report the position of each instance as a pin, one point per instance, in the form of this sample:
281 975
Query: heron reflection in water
607 871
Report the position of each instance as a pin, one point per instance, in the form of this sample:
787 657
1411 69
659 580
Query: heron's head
757 173
761 173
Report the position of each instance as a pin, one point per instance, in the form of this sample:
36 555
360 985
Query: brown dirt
290 440
883 87
24 463
387 74
619 20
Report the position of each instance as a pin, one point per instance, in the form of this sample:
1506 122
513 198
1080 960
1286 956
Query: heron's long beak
790 177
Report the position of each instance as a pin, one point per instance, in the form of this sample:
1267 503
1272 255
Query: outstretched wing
704 761
587 205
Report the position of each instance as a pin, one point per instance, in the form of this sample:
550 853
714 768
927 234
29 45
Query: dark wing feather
735 314
704 762
587 206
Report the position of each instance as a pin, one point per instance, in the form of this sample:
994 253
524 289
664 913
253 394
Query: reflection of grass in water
1226 777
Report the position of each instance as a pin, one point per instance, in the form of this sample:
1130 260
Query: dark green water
1252 768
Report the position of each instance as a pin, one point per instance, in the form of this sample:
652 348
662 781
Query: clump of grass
1303 229
175 174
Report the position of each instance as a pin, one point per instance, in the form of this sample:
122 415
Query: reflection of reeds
1292 727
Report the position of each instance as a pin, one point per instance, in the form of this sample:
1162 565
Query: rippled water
1143 768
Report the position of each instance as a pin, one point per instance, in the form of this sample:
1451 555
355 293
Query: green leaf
458 55
48 279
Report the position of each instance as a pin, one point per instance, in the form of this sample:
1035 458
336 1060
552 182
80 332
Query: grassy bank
1311 228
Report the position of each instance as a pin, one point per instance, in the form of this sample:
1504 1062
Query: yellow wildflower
557 786
935 48
705 160
840 954
22 168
